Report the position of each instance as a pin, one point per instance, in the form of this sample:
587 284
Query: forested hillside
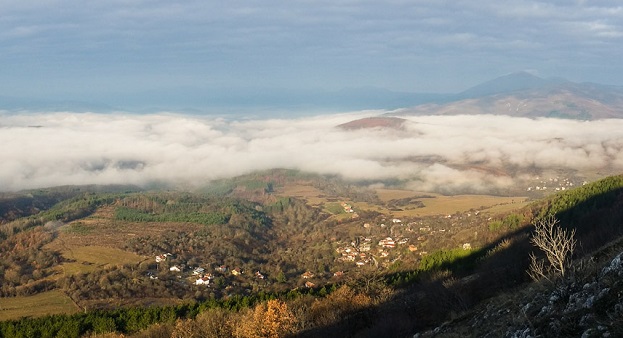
334 263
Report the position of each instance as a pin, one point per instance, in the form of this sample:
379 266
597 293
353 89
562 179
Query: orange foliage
271 320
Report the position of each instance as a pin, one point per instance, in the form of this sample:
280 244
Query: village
381 243
553 184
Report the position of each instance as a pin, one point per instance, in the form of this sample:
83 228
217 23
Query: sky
187 151
130 52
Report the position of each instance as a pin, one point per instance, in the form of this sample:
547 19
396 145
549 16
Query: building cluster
553 184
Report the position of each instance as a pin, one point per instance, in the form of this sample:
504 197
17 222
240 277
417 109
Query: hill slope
525 95
283 243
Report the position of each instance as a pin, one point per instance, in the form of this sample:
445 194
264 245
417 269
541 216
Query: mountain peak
509 83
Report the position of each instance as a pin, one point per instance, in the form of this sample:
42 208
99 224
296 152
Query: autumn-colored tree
334 307
272 319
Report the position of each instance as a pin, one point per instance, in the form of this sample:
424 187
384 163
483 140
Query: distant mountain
510 83
525 95
516 94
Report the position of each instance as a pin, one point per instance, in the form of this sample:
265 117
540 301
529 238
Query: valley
274 234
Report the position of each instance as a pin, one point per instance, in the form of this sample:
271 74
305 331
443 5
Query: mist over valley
449 154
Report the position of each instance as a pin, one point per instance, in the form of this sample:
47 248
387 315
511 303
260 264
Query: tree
281 277
558 245
272 319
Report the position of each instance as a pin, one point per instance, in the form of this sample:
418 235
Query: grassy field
96 241
434 204
90 258
46 303
304 191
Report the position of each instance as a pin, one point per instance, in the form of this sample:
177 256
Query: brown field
101 241
445 205
45 303
89 258
436 204
304 191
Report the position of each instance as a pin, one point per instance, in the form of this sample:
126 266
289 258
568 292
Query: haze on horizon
144 53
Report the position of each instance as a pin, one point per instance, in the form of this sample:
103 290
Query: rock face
586 304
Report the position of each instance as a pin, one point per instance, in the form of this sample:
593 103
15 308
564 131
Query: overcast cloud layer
40 150
106 49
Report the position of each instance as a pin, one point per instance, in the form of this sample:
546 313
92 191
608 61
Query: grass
45 303
434 204
335 208
312 195
444 205
77 228
90 258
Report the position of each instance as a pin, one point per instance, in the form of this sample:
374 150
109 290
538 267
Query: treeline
65 211
186 207
132 215
583 199
594 210
232 311
29 202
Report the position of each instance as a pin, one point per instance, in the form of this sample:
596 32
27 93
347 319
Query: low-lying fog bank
474 153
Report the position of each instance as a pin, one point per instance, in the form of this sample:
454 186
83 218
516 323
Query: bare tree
558 245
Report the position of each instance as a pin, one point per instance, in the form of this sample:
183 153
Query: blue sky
102 50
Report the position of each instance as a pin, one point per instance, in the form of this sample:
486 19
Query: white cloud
432 152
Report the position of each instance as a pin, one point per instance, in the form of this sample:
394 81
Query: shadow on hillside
456 287
597 220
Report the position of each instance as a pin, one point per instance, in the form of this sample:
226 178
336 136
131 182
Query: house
403 241
222 269
412 248
163 257
345 257
236 271
202 281
338 274
360 263
307 275
467 246
259 275
309 284
175 268
198 271
396 220
387 243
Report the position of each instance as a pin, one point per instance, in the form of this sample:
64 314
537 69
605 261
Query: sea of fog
49 149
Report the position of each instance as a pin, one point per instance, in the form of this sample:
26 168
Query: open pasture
301 190
436 204
89 258
45 303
